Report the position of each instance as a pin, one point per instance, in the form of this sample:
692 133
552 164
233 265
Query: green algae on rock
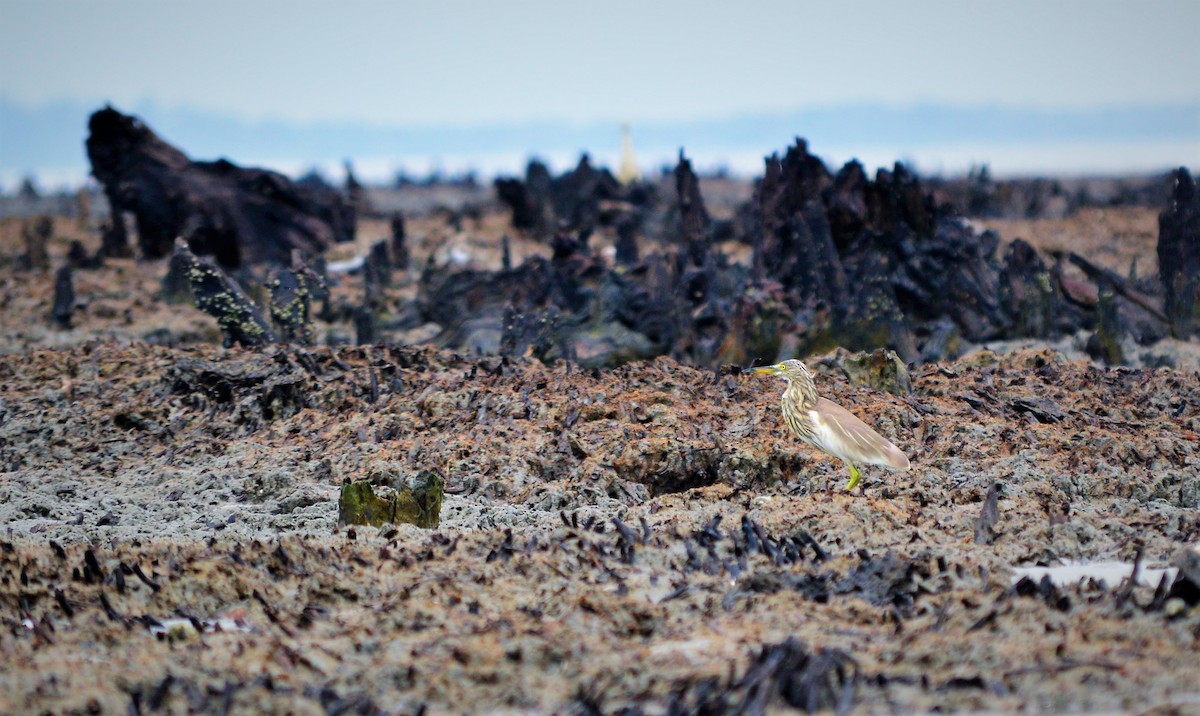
417 501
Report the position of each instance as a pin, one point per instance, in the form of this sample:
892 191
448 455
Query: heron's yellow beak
768 370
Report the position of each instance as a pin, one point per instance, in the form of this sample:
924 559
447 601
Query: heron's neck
802 393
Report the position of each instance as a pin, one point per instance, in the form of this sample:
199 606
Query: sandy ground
647 538
1123 240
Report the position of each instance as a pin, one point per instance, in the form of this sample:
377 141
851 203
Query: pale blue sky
1025 86
466 63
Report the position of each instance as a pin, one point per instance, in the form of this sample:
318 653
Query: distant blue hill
50 138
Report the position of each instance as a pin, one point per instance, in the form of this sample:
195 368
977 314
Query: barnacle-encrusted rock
240 320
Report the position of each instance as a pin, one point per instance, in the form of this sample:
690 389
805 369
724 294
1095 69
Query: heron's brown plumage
858 441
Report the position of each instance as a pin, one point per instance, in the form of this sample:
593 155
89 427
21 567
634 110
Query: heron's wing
854 438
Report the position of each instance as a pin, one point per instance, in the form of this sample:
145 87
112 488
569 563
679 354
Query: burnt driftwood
237 215
874 262
576 305
837 260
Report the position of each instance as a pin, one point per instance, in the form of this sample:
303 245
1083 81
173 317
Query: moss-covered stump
417 501
881 369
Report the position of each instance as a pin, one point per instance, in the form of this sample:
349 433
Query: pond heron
828 426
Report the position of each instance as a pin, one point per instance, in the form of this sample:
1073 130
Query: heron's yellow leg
855 477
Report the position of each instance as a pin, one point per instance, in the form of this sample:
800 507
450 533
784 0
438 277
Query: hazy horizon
932 139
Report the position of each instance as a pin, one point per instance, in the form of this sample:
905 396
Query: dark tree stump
36 233
542 204
955 273
847 205
1105 343
64 297
803 178
529 200
511 191
896 199
377 274
366 326
114 242
693 217
807 258
1028 292
505 253
450 298
77 255
578 193
626 245
1179 256
400 254
238 215
377 268
537 333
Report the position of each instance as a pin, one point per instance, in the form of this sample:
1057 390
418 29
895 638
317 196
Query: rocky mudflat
641 539
647 537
